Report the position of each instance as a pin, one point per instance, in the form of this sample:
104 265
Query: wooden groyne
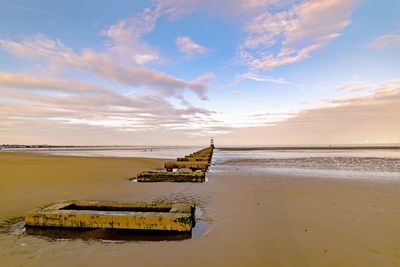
191 168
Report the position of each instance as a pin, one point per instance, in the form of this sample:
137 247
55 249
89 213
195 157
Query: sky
178 72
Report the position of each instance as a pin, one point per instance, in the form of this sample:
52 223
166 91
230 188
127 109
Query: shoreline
31 153
351 147
223 148
90 148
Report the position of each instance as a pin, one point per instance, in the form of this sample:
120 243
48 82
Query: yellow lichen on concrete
197 162
160 176
114 215
193 158
198 165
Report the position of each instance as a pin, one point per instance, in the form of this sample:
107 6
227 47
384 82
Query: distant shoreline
343 147
87 148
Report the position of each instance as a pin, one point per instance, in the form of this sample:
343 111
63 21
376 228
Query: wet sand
254 219
315 147
29 180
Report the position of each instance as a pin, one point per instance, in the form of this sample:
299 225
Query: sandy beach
253 219
29 180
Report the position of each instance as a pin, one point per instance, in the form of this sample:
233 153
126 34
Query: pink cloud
373 117
28 98
58 56
384 41
189 47
125 38
298 32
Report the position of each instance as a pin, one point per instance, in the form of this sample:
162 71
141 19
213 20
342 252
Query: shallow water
16 227
357 163
340 163
162 152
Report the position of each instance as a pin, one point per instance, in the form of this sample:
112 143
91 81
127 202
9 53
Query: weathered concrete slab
160 176
115 215
188 159
194 166
197 162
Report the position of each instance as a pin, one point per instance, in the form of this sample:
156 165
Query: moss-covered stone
198 162
157 176
198 165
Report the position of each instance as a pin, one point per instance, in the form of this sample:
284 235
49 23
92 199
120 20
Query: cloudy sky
176 72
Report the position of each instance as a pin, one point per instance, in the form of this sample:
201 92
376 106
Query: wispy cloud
31 9
60 57
297 32
71 102
384 41
259 78
188 47
31 83
353 87
298 28
364 86
175 9
126 38
54 102
88 107
371 117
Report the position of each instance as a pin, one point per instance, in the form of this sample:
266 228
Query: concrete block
193 158
198 165
115 215
160 176
190 168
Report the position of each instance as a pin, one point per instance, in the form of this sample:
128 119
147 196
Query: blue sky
178 72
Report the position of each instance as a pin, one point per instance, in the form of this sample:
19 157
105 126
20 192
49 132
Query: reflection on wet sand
58 233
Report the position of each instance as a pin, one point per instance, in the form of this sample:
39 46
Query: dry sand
254 220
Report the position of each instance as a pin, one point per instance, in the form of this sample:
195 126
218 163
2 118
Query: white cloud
126 43
384 41
54 103
297 32
88 107
259 78
175 9
373 116
26 97
58 56
298 28
188 47
31 82
356 85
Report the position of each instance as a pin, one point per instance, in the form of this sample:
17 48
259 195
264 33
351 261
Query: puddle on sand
199 229
206 179
16 227
13 226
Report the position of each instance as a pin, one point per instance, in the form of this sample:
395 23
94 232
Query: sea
365 163
358 163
